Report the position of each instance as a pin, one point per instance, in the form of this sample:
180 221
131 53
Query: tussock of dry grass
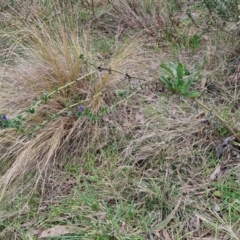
51 59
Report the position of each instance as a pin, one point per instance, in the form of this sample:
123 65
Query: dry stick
220 119
110 70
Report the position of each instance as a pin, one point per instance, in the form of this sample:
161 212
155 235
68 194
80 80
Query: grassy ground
98 148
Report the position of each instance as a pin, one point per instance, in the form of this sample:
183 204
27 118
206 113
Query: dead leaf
139 118
166 235
162 234
124 228
57 231
217 208
158 234
206 38
204 233
216 173
35 232
200 115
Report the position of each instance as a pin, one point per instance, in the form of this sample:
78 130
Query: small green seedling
178 80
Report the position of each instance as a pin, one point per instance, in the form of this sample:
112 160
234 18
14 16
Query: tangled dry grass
51 59
139 172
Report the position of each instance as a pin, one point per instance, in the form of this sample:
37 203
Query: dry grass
142 15
51 59
140 172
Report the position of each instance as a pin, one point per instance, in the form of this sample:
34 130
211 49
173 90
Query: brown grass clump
49 59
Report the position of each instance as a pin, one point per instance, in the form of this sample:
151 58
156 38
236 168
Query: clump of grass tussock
143 15
49 60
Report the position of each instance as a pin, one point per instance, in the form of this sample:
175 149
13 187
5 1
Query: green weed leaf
169 70
173 68
167 83
190 94
81 56
187 84
180 84
180 70
45 96
31 110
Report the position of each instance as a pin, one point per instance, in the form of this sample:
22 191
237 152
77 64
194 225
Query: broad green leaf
180 83
167 83
180 70
175 82
187 85
173 67
190 94
165 67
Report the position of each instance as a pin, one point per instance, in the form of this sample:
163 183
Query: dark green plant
178 81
